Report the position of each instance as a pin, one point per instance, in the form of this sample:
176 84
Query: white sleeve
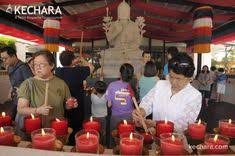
93 98
147 101
189 114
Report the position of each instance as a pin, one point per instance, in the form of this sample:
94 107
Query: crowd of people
173 97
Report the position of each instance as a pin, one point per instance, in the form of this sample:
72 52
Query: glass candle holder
44 138
164 126
131 144
60 125
216 144
125 126
91 123
172 144
31 123
227 127
87 141
197 130
6 136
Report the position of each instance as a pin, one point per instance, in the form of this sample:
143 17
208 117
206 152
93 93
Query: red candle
227 128
216 144
164 127
172 144
43 139
131 144
197 130
5 120
148 138
87 141
6 136
32 123
91 124
60 126
125 126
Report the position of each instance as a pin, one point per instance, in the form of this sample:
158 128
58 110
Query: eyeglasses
40 65
4 58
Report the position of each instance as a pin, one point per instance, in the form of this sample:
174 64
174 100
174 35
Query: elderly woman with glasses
32 92
175 100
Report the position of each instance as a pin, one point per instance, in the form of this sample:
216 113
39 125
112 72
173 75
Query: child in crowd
119 97
99 106
221 83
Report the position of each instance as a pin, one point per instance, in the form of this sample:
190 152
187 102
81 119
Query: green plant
6 41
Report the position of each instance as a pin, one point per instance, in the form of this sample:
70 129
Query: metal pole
199 63
164 53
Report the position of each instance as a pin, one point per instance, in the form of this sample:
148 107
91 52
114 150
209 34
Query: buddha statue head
124 10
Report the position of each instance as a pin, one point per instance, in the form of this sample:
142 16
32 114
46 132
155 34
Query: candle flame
91 119
173 138
199 122
216 137
131 136
58 120
43 132
32 116
87 135
3 114
125 122
2 130
230 121
165 120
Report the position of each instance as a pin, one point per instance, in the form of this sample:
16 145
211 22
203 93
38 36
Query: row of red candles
196 130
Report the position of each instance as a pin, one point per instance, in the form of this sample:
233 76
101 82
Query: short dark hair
100 87
150 69
213 68
10 50
146 52
127 72
66 58
182 64
173 51
221 70
47 55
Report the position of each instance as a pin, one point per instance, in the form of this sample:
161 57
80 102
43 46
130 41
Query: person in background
205 82
32 92
140 69
176 99
221 84
171 52
213 74
99 107
74 75
149 79
18 71
29 60
119 97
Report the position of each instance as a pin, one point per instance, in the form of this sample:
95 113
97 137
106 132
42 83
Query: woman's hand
137 115
71 103
44 109
150 123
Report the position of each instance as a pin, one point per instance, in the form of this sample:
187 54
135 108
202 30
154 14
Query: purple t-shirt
119 94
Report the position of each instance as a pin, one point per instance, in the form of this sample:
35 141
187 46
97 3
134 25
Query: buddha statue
124 36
